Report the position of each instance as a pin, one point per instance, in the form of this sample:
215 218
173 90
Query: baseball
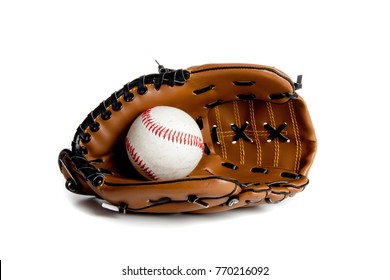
164 143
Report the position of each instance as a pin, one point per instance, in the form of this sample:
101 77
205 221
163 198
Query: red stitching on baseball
130 149
170 134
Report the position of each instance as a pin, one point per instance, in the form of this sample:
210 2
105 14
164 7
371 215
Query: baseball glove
259 141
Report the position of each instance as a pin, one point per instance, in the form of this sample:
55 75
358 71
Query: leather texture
259 141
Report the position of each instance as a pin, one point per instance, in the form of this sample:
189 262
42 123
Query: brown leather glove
259 141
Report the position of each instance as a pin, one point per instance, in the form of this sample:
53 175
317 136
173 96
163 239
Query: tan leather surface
211 180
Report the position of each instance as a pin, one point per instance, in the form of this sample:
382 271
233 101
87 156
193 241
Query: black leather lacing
165 76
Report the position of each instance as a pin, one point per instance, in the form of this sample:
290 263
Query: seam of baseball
137 159
170 134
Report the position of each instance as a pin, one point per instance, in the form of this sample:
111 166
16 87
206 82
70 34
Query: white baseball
164 143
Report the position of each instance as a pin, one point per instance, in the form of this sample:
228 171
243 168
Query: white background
59 60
